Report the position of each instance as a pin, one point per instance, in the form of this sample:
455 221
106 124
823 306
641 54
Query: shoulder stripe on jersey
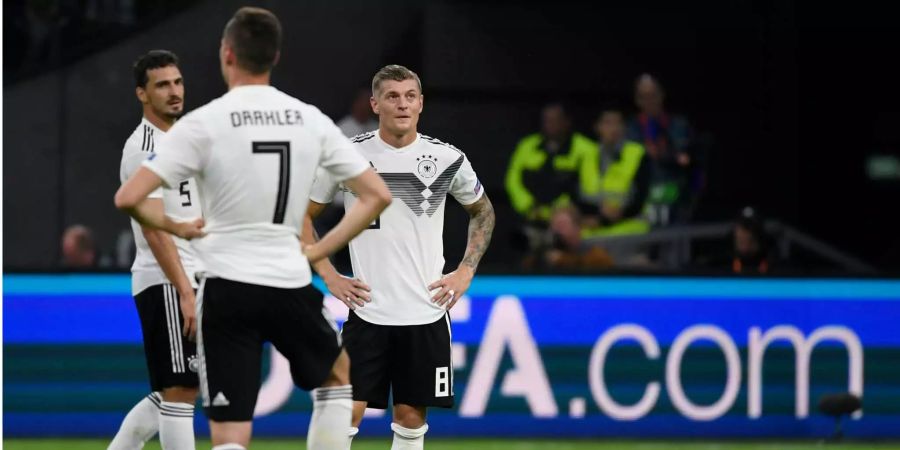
436 141
144 141
152 142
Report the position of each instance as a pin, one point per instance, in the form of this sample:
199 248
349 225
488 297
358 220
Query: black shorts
171 357
413 360
235 319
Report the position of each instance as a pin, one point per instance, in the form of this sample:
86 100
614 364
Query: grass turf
481 444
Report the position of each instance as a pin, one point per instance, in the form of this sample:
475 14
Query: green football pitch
481 444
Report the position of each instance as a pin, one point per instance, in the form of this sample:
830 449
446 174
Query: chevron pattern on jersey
416 195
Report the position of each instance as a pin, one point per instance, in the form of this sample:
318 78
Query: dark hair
255 36
610 107
564 106
154 59
649 77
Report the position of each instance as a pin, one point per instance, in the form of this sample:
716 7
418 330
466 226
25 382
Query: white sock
353 432
141 423
332 414
229 447
176 426
407 438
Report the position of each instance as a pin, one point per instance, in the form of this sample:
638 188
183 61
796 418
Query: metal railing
675 244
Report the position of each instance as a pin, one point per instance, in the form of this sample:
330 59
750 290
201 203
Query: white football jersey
402 252
254 152
182 202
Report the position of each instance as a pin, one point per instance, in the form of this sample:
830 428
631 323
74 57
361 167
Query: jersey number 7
283 150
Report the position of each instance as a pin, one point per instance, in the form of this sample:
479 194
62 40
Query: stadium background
794 101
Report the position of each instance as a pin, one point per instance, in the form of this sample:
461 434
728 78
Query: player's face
398 106
164 91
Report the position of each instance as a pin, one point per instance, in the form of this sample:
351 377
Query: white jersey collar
396 149
252 87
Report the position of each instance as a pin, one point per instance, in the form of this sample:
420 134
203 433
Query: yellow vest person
620 181
538 180
548 168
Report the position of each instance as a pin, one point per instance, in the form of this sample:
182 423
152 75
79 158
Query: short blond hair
393 72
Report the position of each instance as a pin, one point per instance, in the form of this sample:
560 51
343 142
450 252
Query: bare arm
166 253
309 236
353 292
481 227
374 196
132 199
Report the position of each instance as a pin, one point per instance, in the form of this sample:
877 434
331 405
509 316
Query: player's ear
374 104
277 58
421 103
227 54
141 94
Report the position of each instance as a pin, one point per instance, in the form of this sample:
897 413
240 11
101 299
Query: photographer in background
751 245
563 247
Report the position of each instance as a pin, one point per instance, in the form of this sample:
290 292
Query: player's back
256 150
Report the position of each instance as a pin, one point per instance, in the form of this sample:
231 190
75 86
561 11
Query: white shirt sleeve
465 187
339 158
131 161
182 153
324 188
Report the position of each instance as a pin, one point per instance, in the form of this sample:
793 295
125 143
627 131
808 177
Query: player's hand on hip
451 287
188 313
354 293
189 230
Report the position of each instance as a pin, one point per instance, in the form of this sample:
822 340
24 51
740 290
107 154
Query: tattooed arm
481 226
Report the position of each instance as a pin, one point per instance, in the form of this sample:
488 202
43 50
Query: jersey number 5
283 150
183 190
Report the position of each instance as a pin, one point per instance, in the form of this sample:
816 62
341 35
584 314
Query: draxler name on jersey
266 118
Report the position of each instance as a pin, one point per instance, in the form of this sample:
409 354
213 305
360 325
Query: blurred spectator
614 204
667 140
41 18
125 249
360 119
566 251
751 247
78 251
119 12
550 168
